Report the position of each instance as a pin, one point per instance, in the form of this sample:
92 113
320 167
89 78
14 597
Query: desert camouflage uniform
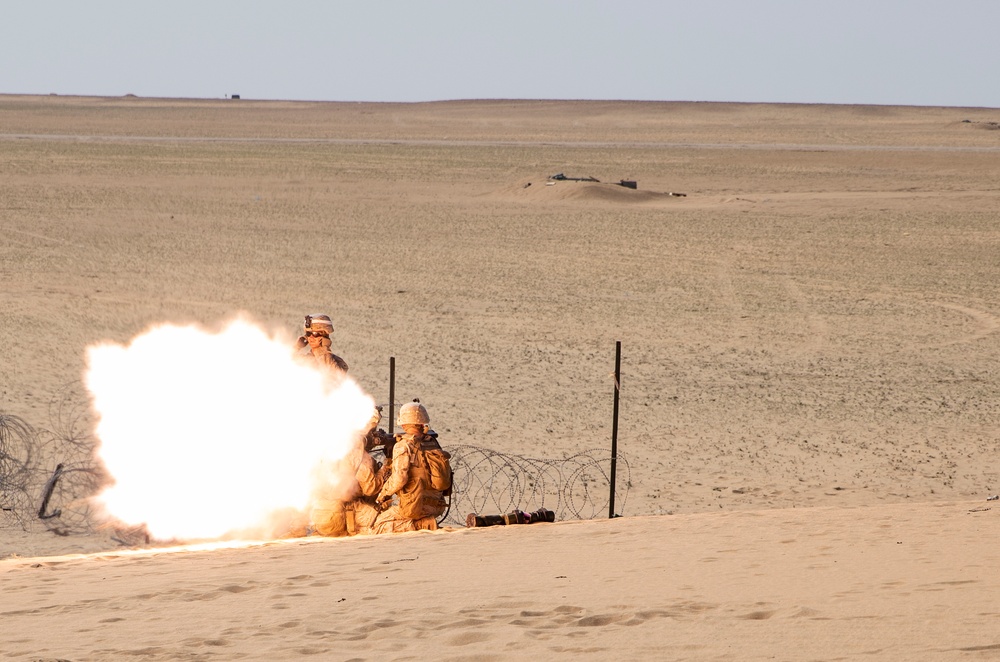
331 516
418 505
323 356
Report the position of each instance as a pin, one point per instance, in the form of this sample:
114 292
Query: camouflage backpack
436 461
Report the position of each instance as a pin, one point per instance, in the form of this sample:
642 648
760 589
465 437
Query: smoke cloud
206 432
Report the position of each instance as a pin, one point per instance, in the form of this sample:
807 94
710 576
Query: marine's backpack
438 466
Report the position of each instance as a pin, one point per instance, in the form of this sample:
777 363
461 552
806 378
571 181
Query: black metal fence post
614 427
392 395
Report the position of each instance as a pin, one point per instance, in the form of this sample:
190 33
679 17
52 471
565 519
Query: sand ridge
878 583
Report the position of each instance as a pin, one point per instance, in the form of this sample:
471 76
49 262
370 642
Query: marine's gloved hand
373 422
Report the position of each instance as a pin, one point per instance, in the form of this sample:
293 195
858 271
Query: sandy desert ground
809 400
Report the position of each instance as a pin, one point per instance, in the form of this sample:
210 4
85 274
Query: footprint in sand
467 638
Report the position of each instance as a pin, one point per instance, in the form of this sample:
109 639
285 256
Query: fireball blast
205 433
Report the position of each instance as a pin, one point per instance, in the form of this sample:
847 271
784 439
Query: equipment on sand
517 517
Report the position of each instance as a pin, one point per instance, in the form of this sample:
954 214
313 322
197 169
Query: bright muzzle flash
206 433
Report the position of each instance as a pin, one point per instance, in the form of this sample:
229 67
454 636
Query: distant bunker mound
561 187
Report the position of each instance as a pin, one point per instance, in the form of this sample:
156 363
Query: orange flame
206 433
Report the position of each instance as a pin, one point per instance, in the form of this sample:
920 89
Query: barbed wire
16 468
47 476
492 482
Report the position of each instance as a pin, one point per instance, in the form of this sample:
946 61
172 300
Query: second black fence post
614 427
391 426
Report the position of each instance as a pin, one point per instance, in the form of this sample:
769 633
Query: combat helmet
319 324
413 413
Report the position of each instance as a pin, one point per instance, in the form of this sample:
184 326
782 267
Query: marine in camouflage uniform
333 515
336 513
316 336
416 506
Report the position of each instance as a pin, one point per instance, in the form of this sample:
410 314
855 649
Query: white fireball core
205 433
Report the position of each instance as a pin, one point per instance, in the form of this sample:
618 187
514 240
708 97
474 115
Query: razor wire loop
576 487
48 475
16 461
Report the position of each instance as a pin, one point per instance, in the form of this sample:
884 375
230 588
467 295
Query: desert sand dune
914 582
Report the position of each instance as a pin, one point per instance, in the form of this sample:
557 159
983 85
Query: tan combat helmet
413 413
319 324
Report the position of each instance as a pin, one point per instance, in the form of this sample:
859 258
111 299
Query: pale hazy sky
911 52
